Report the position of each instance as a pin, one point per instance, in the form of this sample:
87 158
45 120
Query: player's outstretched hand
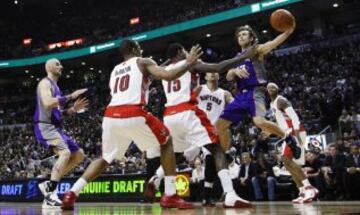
80 104
77 93
194 54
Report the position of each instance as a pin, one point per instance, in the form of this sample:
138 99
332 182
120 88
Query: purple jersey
257 74
52 116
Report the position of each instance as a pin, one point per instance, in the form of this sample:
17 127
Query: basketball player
287 119
251 79
212 100
189 125
125 120
48 130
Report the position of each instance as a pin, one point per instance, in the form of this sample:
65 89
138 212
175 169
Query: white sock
301 189
170 187
208 184
225 179
306 182
160 174
78 186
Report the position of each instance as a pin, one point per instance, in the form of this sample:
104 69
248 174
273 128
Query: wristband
62 100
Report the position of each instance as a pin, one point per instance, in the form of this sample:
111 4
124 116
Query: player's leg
202 133
75 159
113 145
150 133
223 129
257 109
210 176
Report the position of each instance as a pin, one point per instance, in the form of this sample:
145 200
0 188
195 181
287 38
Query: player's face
56 68
244 39
272 90
212 77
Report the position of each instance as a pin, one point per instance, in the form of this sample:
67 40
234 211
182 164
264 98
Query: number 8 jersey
128 85
180 90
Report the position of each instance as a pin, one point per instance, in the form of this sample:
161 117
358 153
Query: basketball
282 20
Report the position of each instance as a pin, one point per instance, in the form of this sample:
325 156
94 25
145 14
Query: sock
78 186
160 175
301 189
225 179
53 185
170 188
306 182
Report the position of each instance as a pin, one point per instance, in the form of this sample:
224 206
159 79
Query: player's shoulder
44 82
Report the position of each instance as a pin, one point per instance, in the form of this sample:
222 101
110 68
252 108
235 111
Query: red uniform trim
160 131
171 110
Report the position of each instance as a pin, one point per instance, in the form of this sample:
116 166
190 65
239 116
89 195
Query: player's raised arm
225 65
267 47
160 73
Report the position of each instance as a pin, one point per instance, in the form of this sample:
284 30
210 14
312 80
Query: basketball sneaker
232 200
51 200
175 201
310 193
44 188
150 189
299 199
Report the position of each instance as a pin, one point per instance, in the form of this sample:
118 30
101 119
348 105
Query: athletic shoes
175 201
299 199
68 201
292 143
150 189
44 188
310 193
232 200
51 200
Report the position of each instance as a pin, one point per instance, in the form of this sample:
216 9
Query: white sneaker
232 200
44 188
310 193
299 200
51 200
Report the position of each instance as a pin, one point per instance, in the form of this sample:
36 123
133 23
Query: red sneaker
150 191
175 201
68 201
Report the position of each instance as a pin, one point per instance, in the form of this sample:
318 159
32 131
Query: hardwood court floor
145 209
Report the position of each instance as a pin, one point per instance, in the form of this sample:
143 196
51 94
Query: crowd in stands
320 81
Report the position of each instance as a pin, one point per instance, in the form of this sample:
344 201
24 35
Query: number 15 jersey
128 85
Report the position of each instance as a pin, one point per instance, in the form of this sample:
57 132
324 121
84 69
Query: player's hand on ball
77 93
194 54
80 104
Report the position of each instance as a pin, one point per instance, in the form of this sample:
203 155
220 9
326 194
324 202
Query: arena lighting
83 63
135 20
100 71
27 71
32 76
335 5
27 41
264 31
66 43
91 68
16 2
208 35
72 71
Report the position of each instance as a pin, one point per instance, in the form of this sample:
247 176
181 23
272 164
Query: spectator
247 171
333 170
263 179
197 180
312 168
352 174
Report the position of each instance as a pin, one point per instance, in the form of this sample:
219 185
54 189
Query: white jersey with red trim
180 90
212 102
128 85
282 119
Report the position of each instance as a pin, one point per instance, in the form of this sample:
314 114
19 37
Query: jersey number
123 84
174 86
208 106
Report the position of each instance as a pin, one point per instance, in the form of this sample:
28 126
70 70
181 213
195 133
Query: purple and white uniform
47 123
